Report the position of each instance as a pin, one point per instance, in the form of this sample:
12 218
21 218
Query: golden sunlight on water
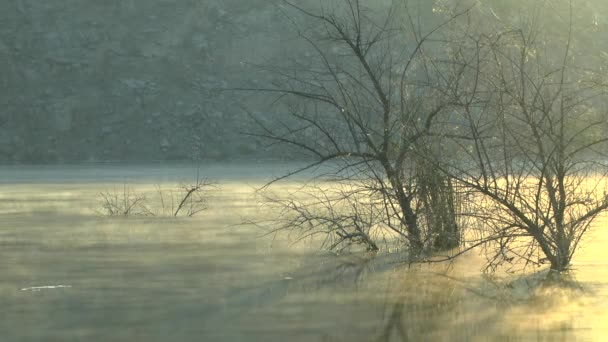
70 274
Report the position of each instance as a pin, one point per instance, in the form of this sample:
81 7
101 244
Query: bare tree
369 101
494 123
534 162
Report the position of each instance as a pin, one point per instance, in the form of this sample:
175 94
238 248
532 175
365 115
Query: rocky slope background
137 80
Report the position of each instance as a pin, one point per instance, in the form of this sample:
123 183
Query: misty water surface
69 274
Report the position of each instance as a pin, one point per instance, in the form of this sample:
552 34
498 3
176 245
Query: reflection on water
71 275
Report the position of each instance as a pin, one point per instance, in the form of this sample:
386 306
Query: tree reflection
425 303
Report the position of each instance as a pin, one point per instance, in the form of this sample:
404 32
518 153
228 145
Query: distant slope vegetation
138 80
132 79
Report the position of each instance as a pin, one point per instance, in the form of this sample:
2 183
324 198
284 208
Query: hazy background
136 80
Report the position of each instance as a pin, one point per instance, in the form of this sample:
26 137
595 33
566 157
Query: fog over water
70 274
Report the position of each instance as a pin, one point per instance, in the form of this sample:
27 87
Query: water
69 274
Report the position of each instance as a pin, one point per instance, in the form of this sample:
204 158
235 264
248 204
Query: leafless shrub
340 215
125 203
188 199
